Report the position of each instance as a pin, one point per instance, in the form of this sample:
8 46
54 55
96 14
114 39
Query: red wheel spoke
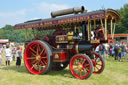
80 73
99 64
77 62
32 50
86 65
42 51
77 71
39 67
31 58
33 54
37 49
43 57
83 61
33 61
86 69
45 62
97 67
42 63
33 65
44 54
96 59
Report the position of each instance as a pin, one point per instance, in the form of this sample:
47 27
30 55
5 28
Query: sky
18 11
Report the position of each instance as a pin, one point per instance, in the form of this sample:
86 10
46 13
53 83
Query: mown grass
115 73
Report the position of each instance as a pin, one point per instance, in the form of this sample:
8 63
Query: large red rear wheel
81 66
98 63
37 57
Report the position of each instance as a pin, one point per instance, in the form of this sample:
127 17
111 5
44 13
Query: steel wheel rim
36 57
83 66
97 63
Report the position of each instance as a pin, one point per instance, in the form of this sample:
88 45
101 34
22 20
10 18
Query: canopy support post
89 29
111 29
101 22
105 29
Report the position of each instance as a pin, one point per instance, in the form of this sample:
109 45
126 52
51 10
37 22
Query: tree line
7 32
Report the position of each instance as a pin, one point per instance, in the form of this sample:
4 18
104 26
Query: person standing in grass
116 49
19 57
123 51
102 50
8 54
13 53
127 50
1 54
119 52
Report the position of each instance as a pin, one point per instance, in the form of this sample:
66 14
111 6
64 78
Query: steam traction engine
72 40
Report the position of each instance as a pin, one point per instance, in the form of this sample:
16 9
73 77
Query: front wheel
81 66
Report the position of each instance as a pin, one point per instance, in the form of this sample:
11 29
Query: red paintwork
110 40
97 63
30 57
94 63
62 56
85 65
101 31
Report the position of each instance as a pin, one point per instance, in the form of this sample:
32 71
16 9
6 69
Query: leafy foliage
8 32
122 27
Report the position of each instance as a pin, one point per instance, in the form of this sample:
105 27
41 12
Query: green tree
8 32
122 27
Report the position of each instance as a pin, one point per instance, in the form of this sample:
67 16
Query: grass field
115 73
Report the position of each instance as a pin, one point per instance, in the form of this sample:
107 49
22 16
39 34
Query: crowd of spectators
116 50
11 54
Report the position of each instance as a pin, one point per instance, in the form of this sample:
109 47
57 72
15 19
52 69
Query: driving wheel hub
37 57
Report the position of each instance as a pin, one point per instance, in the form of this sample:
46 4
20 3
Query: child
19 57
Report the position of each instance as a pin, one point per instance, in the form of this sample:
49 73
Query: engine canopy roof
52 23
